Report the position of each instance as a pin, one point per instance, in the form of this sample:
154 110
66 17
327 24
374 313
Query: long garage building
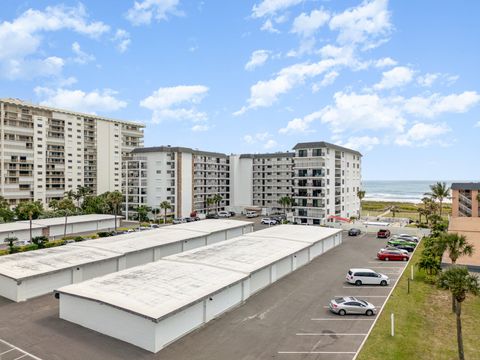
34 273
152 305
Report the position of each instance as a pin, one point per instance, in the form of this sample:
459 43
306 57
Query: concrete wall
241 187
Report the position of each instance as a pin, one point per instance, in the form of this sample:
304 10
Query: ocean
391 190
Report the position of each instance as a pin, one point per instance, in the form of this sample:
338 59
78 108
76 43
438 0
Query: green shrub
78 238
69 237
145 224
54 243
105 234
28 247
3 252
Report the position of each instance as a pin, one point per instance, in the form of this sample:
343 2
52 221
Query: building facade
46 151
327 178
184 177
465 199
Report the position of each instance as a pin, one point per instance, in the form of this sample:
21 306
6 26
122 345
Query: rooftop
70 112
267 155
323 144
169 285
466 186
154 149
71 219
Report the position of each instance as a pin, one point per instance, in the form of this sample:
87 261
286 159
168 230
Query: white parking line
21 357
387 267
363 296
13 347
366 287
317 352
6 351
328 334
339 319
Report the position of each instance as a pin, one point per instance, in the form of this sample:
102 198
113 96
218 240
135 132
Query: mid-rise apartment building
46 151
323 179
465 199
184 177
266 178
327 178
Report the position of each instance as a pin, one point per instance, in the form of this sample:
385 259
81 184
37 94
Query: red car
394 255
382 233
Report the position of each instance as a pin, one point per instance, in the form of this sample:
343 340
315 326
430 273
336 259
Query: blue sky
397 80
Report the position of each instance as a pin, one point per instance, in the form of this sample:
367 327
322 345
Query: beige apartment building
46 151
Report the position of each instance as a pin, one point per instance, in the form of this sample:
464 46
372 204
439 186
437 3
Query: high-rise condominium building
184 177
323 179
327 178
46 151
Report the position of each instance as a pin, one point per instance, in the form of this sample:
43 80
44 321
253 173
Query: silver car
351 305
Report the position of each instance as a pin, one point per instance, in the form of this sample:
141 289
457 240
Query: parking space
11 352
288 320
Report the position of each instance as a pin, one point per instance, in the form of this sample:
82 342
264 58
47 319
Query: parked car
69 241
232 213
406 237
130 230
354 232
178 221
268 221
366 277
383 234
351 305
406 247
391 247
278 218
189 219
211 216
395 255
251 214
154 226
223 214
397 241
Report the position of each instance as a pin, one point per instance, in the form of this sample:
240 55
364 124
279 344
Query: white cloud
328 79
398 76
368 23
477 124
268 26
423 134
123 40
306 25
199 128
81 56
270 144
385 62
437 104
91 102
362 112
271 7
143 12
21 38
266 93
301 125
249 139
427 80
258 58
365 143
176 102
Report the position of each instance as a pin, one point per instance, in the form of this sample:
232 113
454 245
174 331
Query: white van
251 214
366 277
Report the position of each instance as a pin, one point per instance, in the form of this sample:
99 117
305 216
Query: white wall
186 205
241 181
105 155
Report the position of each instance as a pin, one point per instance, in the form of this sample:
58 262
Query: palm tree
82 193
142 212
29 210
456 245
285 201
114 199
10 241
70 194
217 200
67 206
458 280
439 191
210 202
360 195
165 205
53 204
155 212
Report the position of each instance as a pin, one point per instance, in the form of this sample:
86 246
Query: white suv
366 277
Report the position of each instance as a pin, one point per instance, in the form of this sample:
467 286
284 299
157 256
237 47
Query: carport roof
156 289
213 225
18 226
309 234
71 219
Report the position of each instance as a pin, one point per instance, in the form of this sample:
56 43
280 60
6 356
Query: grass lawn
425 328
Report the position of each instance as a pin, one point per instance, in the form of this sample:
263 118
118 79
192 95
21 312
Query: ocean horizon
400 190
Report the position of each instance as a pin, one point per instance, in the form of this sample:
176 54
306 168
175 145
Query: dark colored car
354 232
405 246
232 213
383 234
211 216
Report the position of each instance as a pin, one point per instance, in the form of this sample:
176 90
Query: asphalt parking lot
288 320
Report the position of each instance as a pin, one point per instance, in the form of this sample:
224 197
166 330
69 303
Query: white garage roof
43 261
213 225
17 226
35 263
72 219
309 234
245 254
156 289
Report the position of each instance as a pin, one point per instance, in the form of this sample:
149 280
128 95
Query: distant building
46 151
465 199
321 178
